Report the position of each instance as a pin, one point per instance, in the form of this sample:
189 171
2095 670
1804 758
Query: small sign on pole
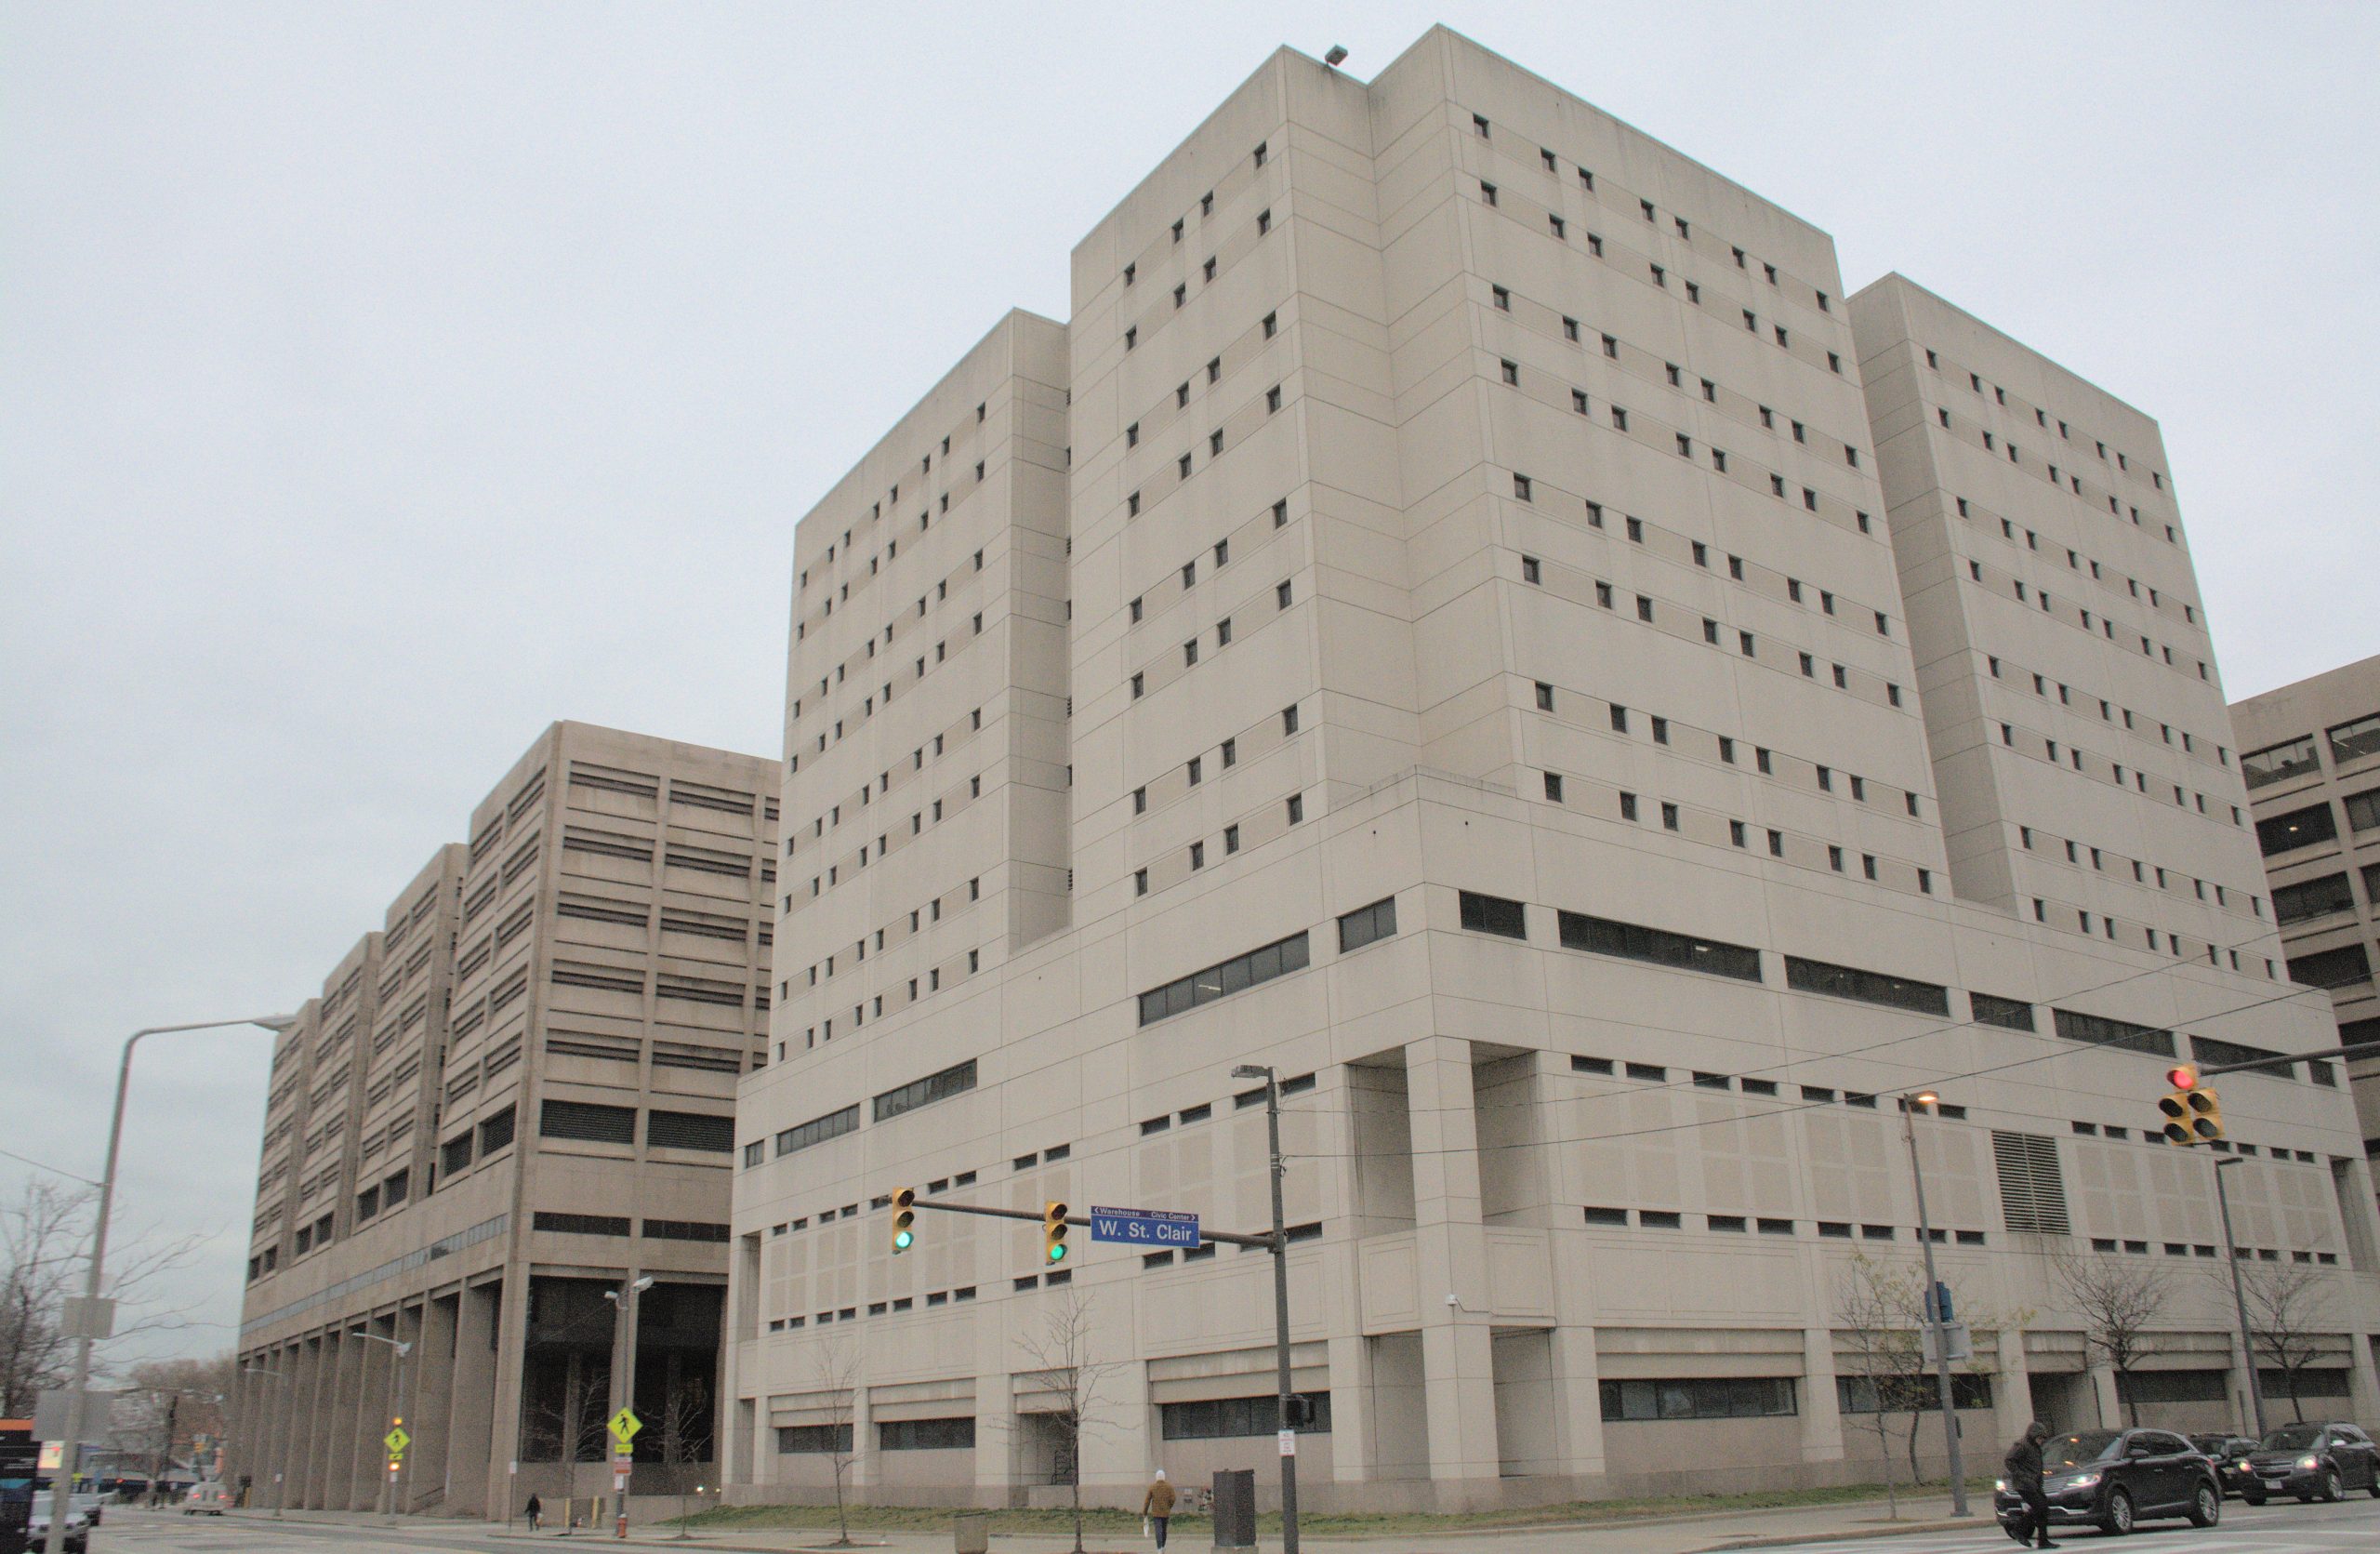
1957 1342
1153 1228
1289 1444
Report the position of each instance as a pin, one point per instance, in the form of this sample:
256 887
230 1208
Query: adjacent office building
2312 767
1469 615
514 1095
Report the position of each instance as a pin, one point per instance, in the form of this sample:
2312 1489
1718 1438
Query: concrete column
866 1471
470 1409
2012 1395
1451 1256
1352 1457
376 1375
432 1384
2363 1386
310 1463
406 1328
996 1438
1578 1400
1116 1464
358 1442
503 1440
2103 1387
1821 1405
272 1459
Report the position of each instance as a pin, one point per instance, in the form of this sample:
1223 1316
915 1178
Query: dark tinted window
2073 1450
2298 828
1493 914
1635 942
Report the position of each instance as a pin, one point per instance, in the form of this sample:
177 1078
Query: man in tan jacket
1159 1506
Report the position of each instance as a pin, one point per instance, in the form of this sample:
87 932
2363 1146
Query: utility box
1235 1508
970 1532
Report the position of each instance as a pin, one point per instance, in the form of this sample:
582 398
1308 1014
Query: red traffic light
2183 1077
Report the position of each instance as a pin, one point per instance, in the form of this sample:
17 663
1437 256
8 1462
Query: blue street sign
1151 1228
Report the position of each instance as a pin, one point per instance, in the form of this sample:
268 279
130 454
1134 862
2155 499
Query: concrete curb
1862 1531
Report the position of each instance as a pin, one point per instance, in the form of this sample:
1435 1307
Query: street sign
81 1317
624 1426
53 1456
1961 1342
1289 1444
1144 1227
396 1440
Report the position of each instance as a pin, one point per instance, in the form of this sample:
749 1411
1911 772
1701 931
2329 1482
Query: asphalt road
2351 1527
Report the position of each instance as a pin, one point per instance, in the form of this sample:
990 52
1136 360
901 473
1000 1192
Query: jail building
1468 614
515 1095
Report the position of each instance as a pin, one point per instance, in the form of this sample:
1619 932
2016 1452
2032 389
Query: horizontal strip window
571 974
703 924
597 1124
814 1440
2343 967
1236 1418
2307 898
1909 1393
2279 763
2353 741
1278 959
1867 987
579 1224
2212 1052
715 1060
1698 1398
1633 941
2298 828
954 1081
1493 914
685 1229
618 1050
926 1435
818 1130
1990 1009
611 844
707 861
699 989
690 1130
2102 1032
1366 925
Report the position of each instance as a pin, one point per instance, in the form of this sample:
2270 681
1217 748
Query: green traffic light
903 1241
1058 1252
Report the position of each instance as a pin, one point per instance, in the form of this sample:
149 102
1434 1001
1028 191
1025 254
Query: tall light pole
623 1385
396 1389
2240 1298
87 1326
1280 1307
279 1376
1934 1316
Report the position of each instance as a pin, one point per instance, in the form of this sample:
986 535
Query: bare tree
1064 1364
836 1367
168 1406
685 1428
1873 1302
2117 1300
570 1423
2288 1307
45 1235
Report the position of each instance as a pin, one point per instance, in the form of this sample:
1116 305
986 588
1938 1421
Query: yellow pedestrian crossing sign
624 1426
396 1440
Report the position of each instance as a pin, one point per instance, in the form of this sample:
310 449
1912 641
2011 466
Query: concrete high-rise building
516 1095
2311 758
1469 615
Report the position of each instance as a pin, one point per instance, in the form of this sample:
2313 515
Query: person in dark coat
535 1511
2023 1468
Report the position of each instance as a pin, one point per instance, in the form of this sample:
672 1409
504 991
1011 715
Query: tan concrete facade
1495 697
515 1094
2312 765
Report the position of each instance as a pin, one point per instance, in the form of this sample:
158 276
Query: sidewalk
1693 1534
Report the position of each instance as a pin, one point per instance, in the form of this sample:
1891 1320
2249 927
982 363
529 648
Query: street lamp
283 1380
622 1389
1934 1316
1281 1306
2240 1299
396 1388
88 1322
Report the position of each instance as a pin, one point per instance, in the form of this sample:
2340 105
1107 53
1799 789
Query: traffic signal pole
1936 1317
2239 1301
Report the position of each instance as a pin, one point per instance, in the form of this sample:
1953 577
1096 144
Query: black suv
2230 1454
2324 1460
2112 1479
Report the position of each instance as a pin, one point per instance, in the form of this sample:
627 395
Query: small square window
1554 786
1281 595
1530 570
1544 696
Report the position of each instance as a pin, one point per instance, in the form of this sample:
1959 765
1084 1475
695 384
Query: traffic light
904 1214
1053 1232
2193 1115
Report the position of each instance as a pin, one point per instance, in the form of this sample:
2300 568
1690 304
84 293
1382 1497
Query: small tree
1064 1364
685 1428
1873 1301
836 1366
2288 1306
2116 1301
570 1423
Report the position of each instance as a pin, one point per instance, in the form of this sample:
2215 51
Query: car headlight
2082 1481
1999 1486
2309 1464
2242 1465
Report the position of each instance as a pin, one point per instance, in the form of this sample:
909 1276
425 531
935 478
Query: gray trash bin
970 1532
1236 1508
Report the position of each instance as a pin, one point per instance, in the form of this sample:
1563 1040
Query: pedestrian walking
2023 1468
535 1510
1159 1506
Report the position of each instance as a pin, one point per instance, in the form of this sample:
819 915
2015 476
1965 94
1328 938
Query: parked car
2316 1460
2230 1455
2114 1479
78 1529
207 1499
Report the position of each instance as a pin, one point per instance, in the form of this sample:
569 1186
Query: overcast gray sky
379 383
